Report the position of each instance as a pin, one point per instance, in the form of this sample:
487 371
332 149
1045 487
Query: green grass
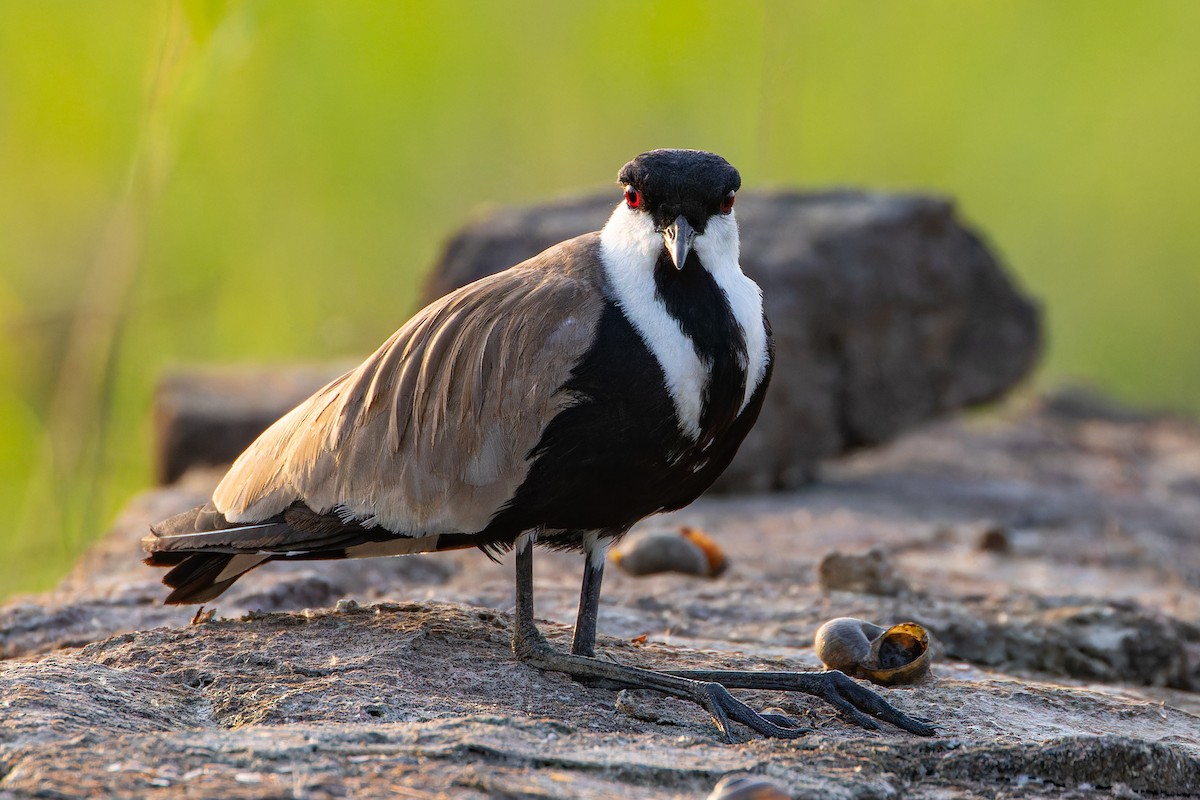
219 181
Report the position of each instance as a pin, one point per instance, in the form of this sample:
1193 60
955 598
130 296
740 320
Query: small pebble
994 539
867 573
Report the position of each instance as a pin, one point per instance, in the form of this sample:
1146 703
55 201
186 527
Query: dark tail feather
164 559
200 577
207 552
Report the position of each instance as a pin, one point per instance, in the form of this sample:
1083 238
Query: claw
724 707
853 700
783 720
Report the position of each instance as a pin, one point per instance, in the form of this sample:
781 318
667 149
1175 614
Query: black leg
584 641
531 648
526 636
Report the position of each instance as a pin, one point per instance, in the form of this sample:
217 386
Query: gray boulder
887 311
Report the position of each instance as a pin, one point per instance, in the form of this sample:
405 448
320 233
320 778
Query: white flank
629 248
718 249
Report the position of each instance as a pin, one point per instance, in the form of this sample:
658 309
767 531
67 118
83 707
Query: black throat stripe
692 297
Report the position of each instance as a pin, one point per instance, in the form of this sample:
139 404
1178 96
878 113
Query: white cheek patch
629 249
718 250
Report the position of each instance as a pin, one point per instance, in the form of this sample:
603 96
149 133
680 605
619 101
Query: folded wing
431 433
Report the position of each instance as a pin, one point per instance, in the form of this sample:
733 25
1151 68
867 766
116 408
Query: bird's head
680 201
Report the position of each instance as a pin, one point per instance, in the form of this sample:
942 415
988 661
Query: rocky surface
1051 549
887 311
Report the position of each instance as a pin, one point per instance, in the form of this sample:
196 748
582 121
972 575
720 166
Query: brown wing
431 433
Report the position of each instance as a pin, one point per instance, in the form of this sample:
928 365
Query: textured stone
425 697
1062 668
887 311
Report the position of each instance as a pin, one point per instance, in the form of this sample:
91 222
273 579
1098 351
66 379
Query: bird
556 403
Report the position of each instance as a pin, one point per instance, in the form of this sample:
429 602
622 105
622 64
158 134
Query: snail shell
746 787
685 550
887 656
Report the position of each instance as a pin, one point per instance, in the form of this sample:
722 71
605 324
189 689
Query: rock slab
1065 663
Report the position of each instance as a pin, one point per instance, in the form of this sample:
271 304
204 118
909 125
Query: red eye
633 197
727 203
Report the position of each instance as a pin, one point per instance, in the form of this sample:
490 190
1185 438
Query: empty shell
685 550
887 656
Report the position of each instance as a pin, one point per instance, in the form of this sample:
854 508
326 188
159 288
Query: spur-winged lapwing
559 402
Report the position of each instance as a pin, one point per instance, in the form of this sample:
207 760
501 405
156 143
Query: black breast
618 454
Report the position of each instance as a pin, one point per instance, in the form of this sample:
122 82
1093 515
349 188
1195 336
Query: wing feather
432 432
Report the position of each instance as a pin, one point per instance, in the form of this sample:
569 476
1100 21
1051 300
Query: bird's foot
707 688
853 701
710 695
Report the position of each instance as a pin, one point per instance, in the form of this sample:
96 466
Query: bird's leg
855 702
531 647
583 643
526 637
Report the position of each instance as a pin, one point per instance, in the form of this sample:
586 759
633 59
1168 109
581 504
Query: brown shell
889 657
686 550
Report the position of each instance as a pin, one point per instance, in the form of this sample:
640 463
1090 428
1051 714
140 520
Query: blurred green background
226 181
